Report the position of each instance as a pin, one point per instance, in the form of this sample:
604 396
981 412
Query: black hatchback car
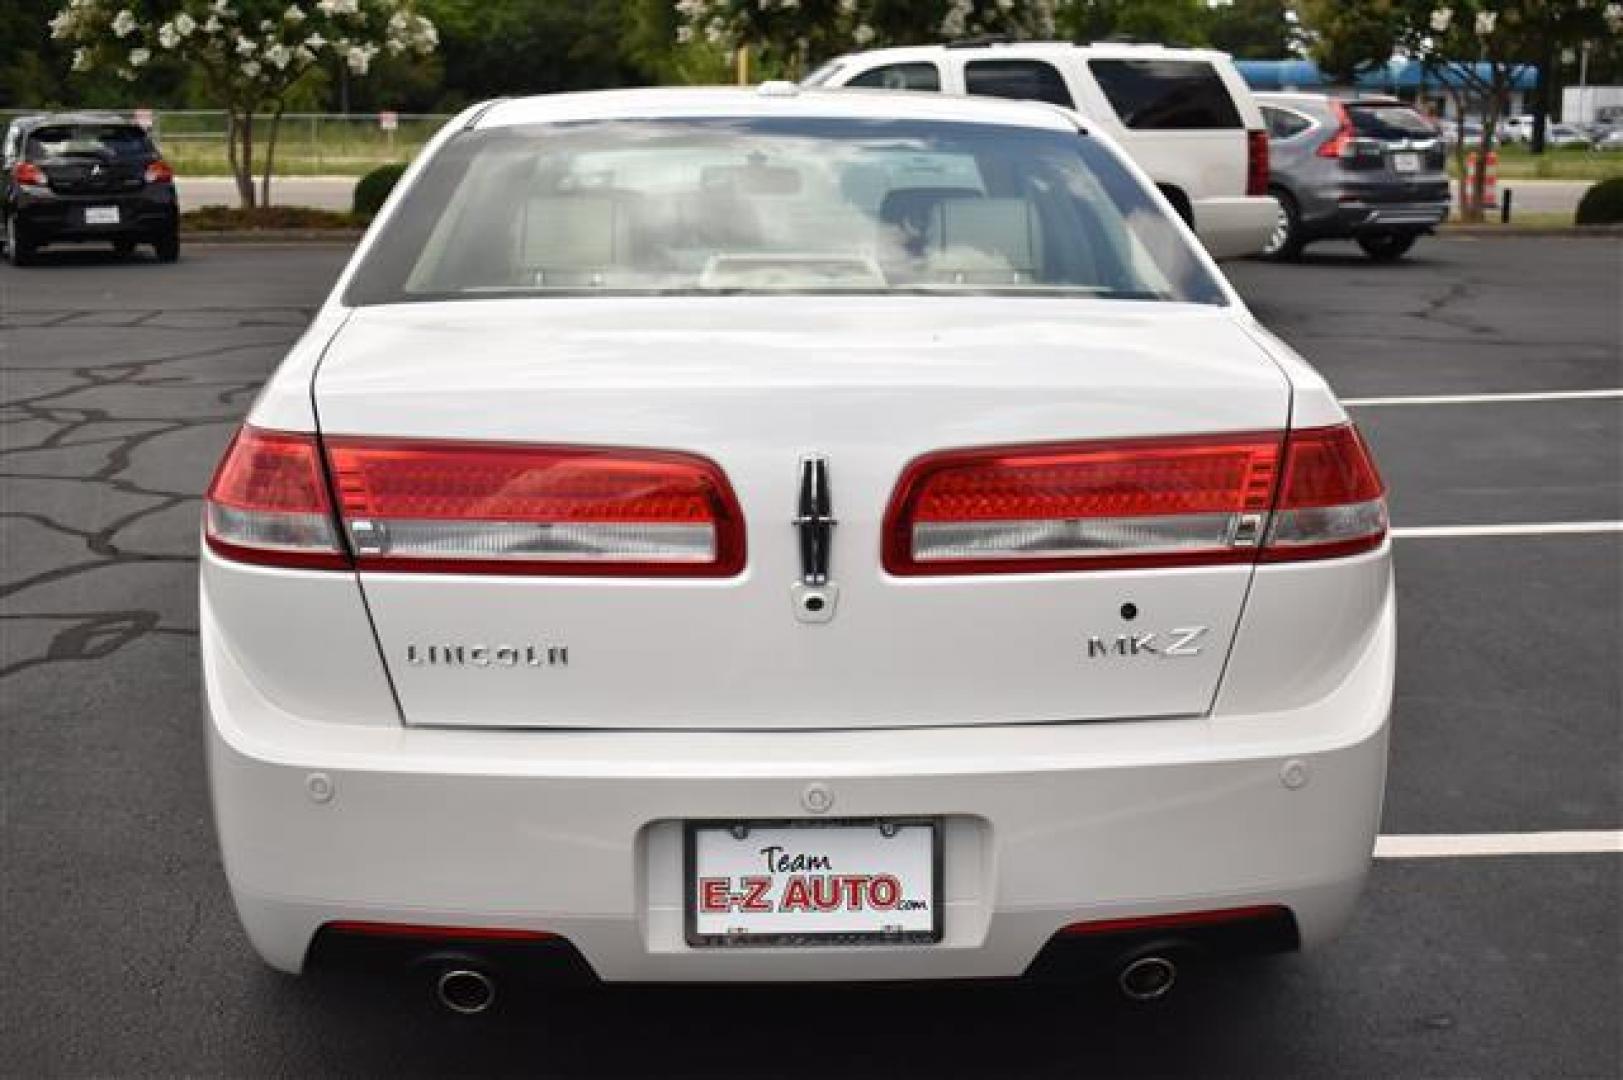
85 177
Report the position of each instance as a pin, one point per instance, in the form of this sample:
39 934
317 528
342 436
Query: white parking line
1438 846
1483 399
1531 528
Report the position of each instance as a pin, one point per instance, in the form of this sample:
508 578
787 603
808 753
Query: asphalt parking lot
121 381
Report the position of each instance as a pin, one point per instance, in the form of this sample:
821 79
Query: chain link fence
308 144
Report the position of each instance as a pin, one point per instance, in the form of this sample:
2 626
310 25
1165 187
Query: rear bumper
579 833
1354 217
1235 228
148 213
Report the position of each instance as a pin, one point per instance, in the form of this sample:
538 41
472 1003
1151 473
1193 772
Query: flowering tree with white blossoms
793 31
250 53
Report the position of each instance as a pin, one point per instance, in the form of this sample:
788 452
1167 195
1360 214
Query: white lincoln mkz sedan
729 535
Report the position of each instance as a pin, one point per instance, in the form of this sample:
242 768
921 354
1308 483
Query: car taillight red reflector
1182 501
499 508
1182 920
159 172
1099 505
1331 498
1256 163
268 503
425 932
28 174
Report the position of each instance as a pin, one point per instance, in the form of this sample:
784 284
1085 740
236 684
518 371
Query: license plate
1405 162
101 215
814 883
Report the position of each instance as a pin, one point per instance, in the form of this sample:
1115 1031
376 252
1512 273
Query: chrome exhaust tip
464 991
1147 978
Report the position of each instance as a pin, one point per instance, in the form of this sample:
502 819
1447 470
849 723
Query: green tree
787 36
530 46
1167 22
1253 29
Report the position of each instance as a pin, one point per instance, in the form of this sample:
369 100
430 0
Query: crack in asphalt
92 636
116 437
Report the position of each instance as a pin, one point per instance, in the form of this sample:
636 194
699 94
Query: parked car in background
1451 131
586 592
1517 129
1565 136
85 178
1368 169
1612 140
1184 115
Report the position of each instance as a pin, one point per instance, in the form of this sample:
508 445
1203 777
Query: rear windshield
1158 95
1389 122
774 205
88 140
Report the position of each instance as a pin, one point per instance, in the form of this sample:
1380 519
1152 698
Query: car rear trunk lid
758 385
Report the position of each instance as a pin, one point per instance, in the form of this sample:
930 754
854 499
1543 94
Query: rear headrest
985 236
912 207
576 232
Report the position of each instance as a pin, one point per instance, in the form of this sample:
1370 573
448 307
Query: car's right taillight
1136 503
1331 499
159 172
268 504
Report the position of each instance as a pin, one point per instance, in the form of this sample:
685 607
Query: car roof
1109 49
773 100
1307 97
42 119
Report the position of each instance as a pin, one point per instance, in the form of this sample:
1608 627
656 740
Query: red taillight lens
1186 501
1256 163
1336 145
1142 502
507 509
1331 498
1183 920
424 932
159 172
268 503
26 172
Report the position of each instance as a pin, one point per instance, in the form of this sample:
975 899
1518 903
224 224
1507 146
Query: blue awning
1393 75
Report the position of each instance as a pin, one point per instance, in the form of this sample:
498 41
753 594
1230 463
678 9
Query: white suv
1184 115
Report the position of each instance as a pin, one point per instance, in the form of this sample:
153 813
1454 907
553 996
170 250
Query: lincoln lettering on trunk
498 656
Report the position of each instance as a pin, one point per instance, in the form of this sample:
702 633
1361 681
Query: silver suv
1369 169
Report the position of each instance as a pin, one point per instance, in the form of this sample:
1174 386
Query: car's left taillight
28 175
268 503
159 172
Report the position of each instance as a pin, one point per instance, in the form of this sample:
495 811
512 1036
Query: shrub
1602 204
374 188
236 219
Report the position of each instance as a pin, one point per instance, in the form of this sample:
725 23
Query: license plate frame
812 938
102 215
1406 161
